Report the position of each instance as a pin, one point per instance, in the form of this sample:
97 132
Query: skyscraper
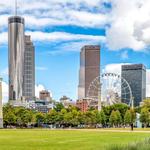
89 68
135 75
16 56
29 69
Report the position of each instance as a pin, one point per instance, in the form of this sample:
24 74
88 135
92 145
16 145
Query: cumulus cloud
39 14
38 88
39 36
5 92
126 21
113 68
129 25
61 36
3 38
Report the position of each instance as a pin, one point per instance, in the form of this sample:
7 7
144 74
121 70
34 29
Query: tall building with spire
29 69
89 68
16 49
21 60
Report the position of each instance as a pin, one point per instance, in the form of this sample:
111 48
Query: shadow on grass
145 145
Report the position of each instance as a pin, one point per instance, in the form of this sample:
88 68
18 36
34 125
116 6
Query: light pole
99 99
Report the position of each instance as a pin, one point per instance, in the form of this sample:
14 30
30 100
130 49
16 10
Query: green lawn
65 139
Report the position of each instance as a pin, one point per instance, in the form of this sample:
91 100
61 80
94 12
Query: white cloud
54 36
62 36
73 46
113 68
129 23
49 12
3 38
38 88
126 21
5 92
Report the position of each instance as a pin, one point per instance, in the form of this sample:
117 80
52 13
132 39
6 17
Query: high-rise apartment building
135 75
89 68
16 56
29 69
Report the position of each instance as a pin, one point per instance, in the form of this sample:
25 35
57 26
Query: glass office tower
29 69
135 75
16 56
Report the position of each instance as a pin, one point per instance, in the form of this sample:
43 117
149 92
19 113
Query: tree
51 117
127 118
113 118
23 116
58 107
133 117
146 104
68 118
102 118
145 116
9 117
119 118
90 118
39 118
121 107
130 117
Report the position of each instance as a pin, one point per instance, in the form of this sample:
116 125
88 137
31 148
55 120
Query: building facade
29 69
44 95
66 101
89 68
16 56
135 75
82 104
1 105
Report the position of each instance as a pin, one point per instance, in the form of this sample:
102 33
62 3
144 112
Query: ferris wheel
109 89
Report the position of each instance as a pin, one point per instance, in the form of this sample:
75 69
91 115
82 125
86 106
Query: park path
110 130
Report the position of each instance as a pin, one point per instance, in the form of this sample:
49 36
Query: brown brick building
89 68
82 105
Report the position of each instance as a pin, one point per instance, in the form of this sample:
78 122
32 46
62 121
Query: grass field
65 139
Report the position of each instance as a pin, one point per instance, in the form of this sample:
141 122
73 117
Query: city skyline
59 38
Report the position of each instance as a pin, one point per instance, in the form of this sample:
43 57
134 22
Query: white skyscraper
16 56
29 69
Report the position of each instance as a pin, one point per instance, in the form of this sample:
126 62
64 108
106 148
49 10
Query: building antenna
15 7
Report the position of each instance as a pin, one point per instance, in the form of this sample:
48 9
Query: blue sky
59 28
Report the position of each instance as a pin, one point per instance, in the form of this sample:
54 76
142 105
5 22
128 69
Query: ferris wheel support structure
97 86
